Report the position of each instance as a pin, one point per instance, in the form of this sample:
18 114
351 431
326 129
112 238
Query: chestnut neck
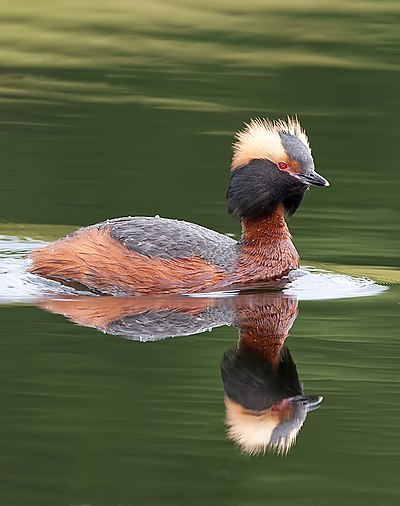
268 346
266 228
264 328
265 251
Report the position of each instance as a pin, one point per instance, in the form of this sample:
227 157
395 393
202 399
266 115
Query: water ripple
308 283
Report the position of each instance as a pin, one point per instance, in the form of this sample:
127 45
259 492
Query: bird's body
157 255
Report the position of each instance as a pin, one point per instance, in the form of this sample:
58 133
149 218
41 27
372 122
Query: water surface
129 109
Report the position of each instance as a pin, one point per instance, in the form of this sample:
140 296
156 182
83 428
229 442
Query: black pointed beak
313 178
310 402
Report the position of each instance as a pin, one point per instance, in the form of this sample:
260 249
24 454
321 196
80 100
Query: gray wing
154 326
166 238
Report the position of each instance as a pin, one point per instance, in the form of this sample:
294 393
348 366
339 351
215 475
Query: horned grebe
271 169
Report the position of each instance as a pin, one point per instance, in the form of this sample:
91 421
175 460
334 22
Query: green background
129 108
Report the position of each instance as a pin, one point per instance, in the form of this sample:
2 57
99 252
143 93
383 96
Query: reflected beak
310 402
313 178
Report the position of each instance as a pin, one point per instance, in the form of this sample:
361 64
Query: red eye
282 165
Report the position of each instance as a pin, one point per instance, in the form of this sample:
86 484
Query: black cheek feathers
256 189
250 379
292 202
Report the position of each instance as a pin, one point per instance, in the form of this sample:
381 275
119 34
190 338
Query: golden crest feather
253 433
260 139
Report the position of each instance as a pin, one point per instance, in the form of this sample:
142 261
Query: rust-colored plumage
93 259
264 328
100 312
266 250
272 167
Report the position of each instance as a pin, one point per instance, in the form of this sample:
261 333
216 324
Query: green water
126 108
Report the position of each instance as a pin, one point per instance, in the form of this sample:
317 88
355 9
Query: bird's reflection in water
265 404
264 399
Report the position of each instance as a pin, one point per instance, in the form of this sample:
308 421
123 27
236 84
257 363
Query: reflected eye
282 165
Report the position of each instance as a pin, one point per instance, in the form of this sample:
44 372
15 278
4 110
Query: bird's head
265 403
271 165
272 429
